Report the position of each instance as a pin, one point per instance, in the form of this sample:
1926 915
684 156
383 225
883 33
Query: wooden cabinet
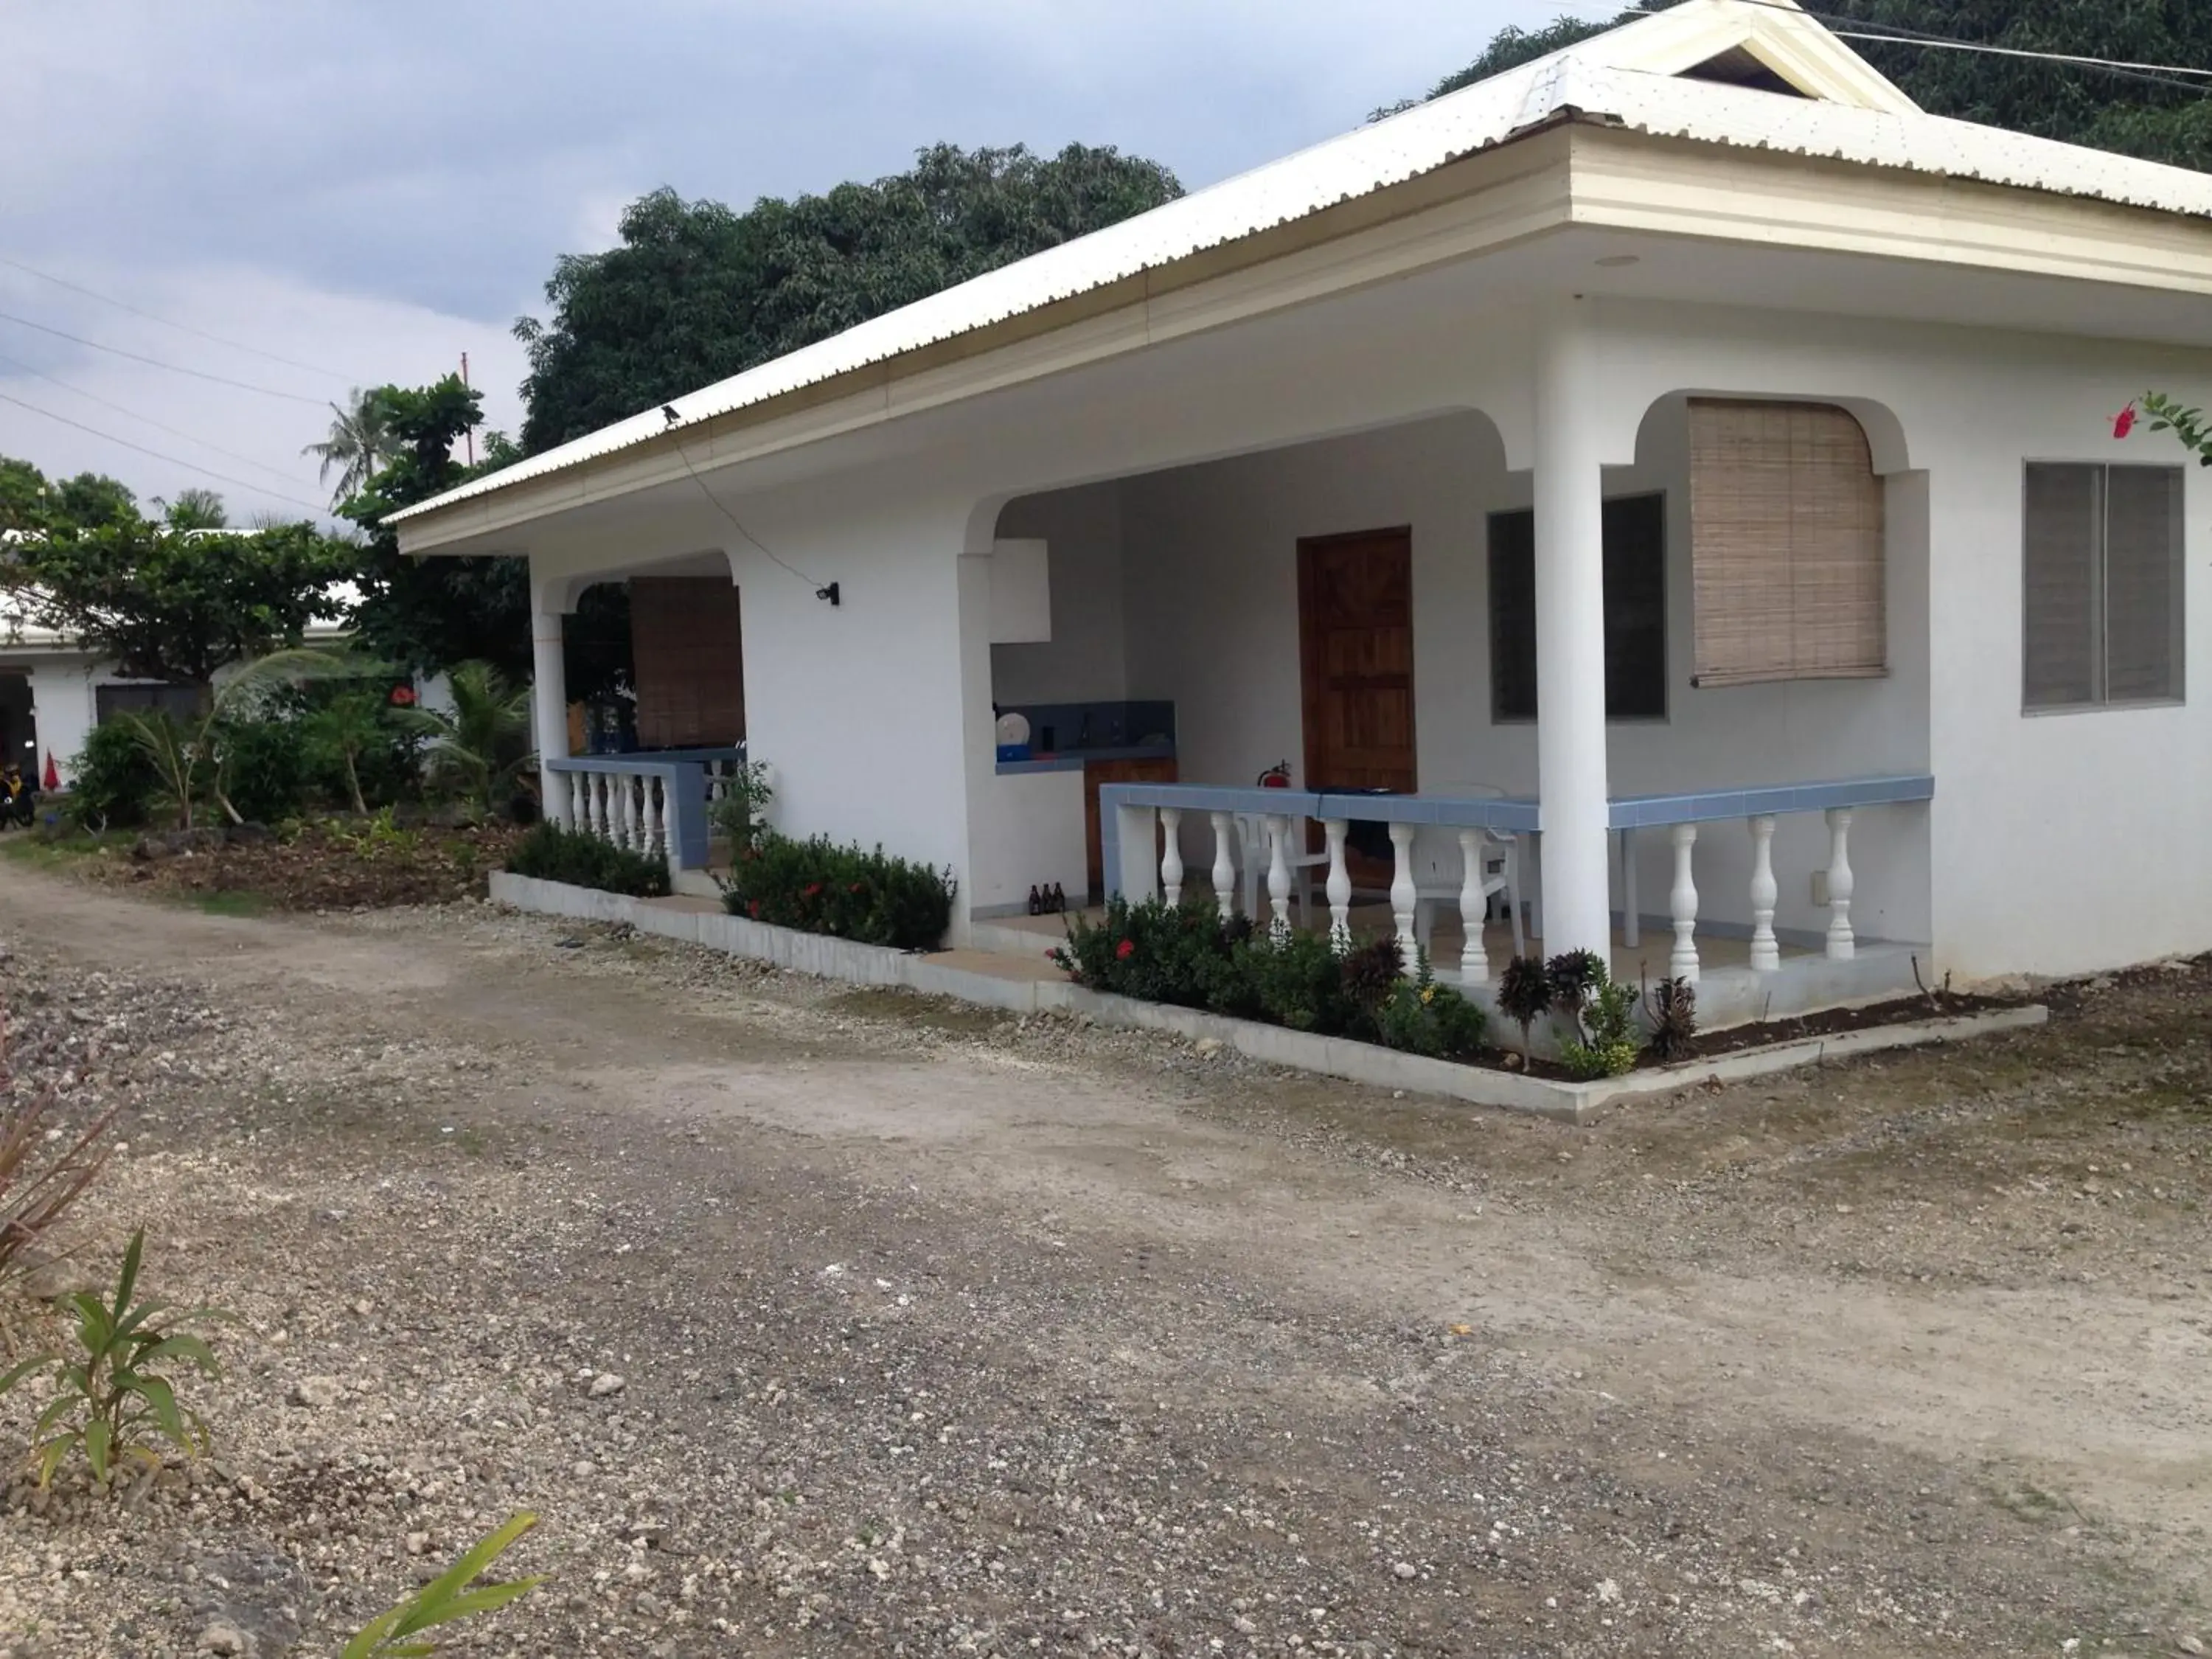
1098 772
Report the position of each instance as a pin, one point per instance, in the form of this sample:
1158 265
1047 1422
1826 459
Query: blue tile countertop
1072 759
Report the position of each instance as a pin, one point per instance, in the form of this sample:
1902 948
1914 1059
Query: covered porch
1357 685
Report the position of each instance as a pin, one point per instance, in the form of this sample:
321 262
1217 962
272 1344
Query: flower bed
551 852
1191 957
819 887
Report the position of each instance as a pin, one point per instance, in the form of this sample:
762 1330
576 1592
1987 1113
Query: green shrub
1154 951
1191 956
551 852
116 781
263 768
819 887
1423 1017
1602 1012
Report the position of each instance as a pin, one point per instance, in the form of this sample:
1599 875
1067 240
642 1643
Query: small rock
1407 1569
417 1542
2187 1644
320 1393
605 1383
223 1637
584 1468
53 1276
1208 1047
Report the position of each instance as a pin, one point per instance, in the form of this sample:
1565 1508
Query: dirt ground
942 1332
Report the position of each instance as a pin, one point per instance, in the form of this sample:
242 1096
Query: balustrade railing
1498 843
656 804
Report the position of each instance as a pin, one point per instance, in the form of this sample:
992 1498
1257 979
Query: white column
1134 828
1279 872
1473 904
1171 854
1570 636
1403 895
1224 865
1682 905
550 700
1843 944
1766 953
1339 885
1631 920
656 828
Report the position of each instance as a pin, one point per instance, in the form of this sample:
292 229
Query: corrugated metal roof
1570 83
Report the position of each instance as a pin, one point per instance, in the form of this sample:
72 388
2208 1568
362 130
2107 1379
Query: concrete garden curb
1356 1062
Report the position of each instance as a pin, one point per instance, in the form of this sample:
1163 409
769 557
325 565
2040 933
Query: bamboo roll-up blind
1786 543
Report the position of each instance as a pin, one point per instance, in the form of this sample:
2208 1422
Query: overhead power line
155 362
165 322
1854 28
191 466
146 420
2173 76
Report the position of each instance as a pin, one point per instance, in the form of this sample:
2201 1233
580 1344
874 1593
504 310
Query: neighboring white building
53 692
1811 394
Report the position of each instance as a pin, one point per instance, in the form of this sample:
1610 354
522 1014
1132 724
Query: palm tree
359 444
482 743
194 509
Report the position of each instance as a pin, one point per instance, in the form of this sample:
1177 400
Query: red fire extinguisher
1277 776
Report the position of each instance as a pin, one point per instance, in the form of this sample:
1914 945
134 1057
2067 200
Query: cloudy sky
361 193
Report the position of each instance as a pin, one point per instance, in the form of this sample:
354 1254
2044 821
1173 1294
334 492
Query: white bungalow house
1680 471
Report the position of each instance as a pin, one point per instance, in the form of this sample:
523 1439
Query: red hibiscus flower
2124 421
1126 949
856 887
753 909
813 889
403 697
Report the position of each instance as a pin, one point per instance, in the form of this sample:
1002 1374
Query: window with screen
1635 611
2101 585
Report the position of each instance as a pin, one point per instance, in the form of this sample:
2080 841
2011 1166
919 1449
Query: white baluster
1279 873
1766 953
656 824
592 820
1682 905
1403 895
1843 944
604 807
626 814
1339 885
1171 853
1474 908
579 802
1224 864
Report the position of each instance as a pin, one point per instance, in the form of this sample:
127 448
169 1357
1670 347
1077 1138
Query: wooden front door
1356 657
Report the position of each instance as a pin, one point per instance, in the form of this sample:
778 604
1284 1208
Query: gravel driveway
821 1322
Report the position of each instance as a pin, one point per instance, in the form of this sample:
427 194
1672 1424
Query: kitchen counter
1073 760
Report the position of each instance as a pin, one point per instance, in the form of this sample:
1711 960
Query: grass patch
38 852
933 1013
231 902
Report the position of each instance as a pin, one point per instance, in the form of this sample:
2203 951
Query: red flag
53 779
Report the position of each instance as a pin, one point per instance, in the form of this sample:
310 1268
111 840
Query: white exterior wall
1084 662
2056 843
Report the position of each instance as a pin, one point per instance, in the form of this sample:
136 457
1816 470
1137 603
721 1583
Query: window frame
1665 710
2102 641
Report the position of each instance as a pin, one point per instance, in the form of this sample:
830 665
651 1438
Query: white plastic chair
1439 868
1252 858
